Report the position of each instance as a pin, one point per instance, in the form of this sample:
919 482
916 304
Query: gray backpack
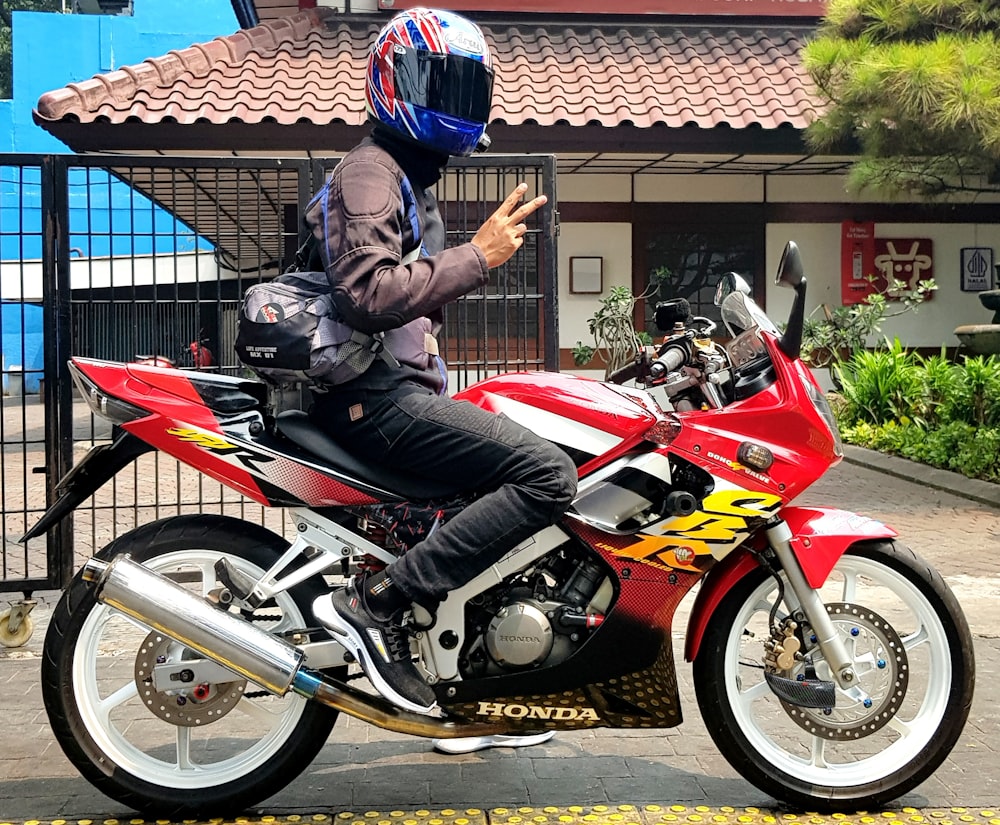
289 332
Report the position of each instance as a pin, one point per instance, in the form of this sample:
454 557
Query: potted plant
616 340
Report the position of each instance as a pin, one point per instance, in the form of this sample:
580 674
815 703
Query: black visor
447 83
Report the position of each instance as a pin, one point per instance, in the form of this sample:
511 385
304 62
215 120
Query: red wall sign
857 261
864 257
745 8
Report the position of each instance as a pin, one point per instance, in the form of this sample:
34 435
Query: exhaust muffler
257 656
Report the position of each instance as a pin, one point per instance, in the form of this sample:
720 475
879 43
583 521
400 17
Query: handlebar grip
671 360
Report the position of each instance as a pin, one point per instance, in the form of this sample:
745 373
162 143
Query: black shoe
382 647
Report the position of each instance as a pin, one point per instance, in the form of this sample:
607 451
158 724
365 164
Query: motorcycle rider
428 94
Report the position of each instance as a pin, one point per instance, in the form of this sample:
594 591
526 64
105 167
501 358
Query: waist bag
289 332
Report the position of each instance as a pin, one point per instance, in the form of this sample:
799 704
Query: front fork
834 650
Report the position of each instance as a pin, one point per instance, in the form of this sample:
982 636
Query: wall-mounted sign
910 260
857 261
977 268
708 8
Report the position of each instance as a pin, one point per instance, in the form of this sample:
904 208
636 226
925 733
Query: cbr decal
512 711
217 444
690 542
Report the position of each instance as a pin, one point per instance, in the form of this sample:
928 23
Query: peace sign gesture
503 232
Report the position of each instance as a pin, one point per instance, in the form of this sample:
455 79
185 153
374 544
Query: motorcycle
833 668
196 355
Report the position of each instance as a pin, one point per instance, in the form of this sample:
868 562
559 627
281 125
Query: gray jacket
365 230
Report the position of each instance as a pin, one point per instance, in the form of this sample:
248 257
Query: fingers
512 215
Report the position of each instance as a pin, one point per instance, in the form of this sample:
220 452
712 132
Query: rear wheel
912 652
202 749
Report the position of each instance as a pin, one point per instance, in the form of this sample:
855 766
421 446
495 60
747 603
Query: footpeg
239 583
804 693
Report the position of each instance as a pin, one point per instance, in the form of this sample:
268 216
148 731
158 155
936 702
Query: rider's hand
503 233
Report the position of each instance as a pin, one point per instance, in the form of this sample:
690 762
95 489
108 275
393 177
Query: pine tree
914 88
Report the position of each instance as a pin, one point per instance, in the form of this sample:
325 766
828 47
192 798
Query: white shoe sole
351 639
469 744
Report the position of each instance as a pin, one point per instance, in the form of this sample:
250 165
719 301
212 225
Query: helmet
430 78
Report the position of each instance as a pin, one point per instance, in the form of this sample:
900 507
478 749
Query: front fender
820 536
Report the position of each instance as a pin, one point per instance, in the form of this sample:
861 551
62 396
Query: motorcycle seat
296 426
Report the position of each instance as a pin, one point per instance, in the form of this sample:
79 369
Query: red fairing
602 406
781 418
176 426
590 416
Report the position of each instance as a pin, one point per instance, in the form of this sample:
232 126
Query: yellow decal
720 524
206 440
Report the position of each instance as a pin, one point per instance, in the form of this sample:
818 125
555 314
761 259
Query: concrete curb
982 491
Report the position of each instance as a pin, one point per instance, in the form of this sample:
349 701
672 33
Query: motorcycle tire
169 755
913 656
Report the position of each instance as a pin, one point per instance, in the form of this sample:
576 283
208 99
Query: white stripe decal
555 427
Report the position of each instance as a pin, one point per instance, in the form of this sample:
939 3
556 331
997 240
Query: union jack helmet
430 78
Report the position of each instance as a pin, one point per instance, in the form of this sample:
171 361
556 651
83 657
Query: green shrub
882 385
928 410
939 376
976 396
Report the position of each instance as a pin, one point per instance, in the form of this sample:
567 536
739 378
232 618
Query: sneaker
469 744
382 647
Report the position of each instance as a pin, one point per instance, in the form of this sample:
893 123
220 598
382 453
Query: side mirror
728 284
790 270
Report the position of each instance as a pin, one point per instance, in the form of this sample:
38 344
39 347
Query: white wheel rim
816 760
149 748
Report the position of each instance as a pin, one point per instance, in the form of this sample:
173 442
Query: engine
537 618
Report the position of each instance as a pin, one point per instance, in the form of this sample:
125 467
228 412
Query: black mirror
790 270
728 284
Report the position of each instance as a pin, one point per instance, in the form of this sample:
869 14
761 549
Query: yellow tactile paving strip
580 815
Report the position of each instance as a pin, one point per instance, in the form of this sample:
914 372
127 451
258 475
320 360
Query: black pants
529 482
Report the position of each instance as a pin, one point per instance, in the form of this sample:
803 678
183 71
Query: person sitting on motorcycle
428 93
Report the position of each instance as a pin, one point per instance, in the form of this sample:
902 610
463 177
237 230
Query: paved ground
364 775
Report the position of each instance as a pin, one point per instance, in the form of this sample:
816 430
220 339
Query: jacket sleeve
360 224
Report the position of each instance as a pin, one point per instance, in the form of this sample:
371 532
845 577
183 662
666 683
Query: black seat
296 426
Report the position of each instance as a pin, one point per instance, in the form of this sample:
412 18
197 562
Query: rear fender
820 536
92 472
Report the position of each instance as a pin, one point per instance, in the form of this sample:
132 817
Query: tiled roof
309 68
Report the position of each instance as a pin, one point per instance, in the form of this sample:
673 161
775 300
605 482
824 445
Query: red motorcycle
184 674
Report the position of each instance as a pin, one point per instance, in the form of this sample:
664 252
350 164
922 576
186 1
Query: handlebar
628 372
642 366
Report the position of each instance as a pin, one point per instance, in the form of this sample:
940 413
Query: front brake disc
882 668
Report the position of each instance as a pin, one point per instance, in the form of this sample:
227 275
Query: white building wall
931 326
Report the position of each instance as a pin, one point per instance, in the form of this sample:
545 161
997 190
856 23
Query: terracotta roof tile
310 66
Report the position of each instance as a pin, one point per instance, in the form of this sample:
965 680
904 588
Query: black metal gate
138 257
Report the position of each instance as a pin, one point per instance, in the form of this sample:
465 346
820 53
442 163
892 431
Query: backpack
288 329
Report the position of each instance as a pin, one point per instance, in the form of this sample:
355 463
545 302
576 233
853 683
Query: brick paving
362 767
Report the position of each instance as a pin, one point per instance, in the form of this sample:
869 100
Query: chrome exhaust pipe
248 651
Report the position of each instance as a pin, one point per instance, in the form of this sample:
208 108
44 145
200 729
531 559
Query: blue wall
54 50
21 340
51 51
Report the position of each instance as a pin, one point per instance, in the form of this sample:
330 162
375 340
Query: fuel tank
582 414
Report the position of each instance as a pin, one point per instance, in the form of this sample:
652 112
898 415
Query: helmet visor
447 83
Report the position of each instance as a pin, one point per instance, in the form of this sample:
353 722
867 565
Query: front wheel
210 747
912 651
